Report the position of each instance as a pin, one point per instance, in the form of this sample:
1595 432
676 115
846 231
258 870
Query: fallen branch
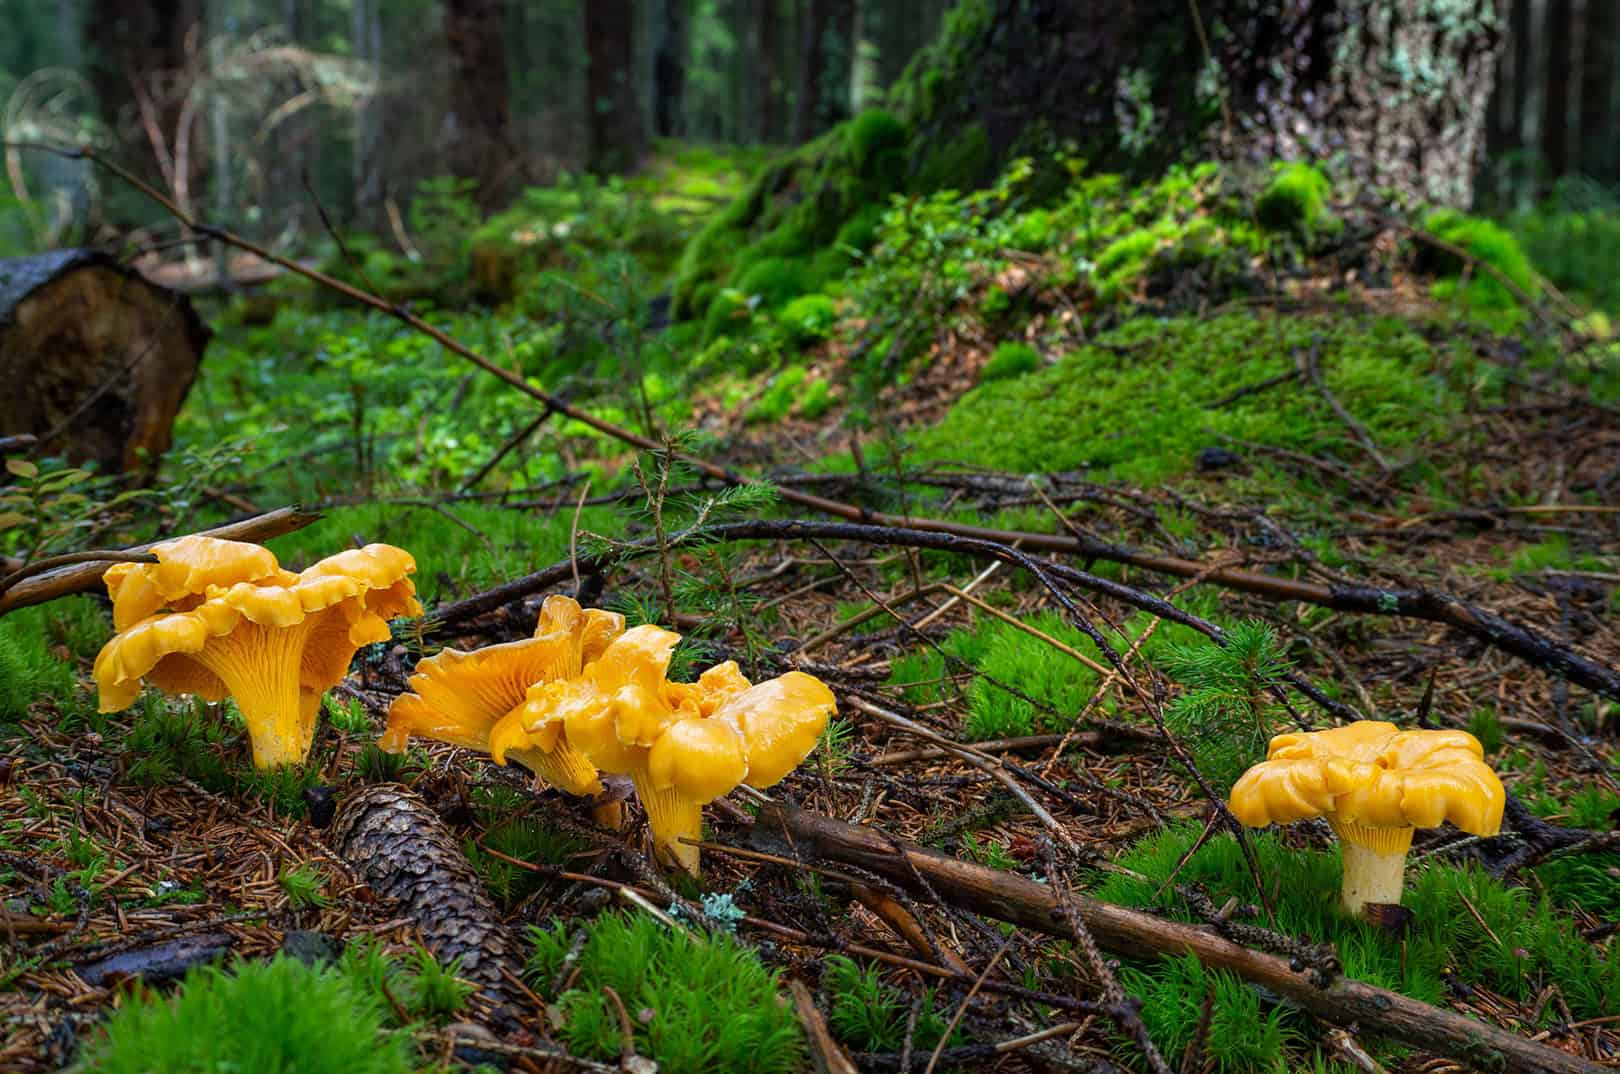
1019 901
1522 641
51 563
86 577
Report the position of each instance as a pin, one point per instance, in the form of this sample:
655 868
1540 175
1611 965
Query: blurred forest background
230 103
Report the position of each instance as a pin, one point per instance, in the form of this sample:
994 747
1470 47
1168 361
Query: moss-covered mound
1142 402
796 225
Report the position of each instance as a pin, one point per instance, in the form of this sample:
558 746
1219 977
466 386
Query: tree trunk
1555 104
478 123
616 139
767 65
669 69
1133 86
95 359
824 66
139 69
1598 75
366 40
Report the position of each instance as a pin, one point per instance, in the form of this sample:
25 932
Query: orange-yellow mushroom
1374 784
222 619
461 697
682 744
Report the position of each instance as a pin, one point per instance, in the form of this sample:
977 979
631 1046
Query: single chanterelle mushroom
459 697
682 744
222 619
1374 784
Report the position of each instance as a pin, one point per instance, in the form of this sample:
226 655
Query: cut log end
96 360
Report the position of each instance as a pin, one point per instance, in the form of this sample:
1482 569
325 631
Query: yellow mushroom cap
698 759
186 567
780 721
1370 774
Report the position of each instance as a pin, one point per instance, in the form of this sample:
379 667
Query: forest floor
1327 431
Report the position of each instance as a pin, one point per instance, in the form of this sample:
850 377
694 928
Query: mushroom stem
259 666
671 816
1374 864
563 766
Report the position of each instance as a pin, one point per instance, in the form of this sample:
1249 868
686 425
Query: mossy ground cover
1003 355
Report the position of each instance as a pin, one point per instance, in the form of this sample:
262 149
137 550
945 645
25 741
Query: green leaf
22 468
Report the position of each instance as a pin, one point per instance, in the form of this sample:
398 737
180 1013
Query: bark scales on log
95 359
403 850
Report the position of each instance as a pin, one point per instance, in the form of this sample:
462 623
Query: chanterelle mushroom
682 744
222 619
1374 784
459 697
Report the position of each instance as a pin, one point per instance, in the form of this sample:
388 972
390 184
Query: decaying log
86 577
1025 903
95 359
403 850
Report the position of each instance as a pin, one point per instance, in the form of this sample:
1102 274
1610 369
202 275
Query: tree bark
138 53
616 139
478 123
366 41
1598 74
1555 102
824 66
1398 89
669 69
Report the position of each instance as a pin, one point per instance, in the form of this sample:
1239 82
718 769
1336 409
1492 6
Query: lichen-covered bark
1397 89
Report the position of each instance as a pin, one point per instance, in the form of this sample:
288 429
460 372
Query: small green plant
717 1008
279 1015
527 839
1243 1036
869 1015
304 885
1010 360
778 399
1486 725
1226 714
351 718
432 989
1487 242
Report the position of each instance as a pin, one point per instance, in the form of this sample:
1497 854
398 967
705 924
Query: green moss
877 142
1490 243
31 672
1296 201
778 399
1010 360
1143 418
962 163
1516 943
816 400
729 314
716 1007
860 231
808 319
870 1016
271 1016
775 280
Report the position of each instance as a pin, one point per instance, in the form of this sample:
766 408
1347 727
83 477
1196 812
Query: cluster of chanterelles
222 619
585 696
582 697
